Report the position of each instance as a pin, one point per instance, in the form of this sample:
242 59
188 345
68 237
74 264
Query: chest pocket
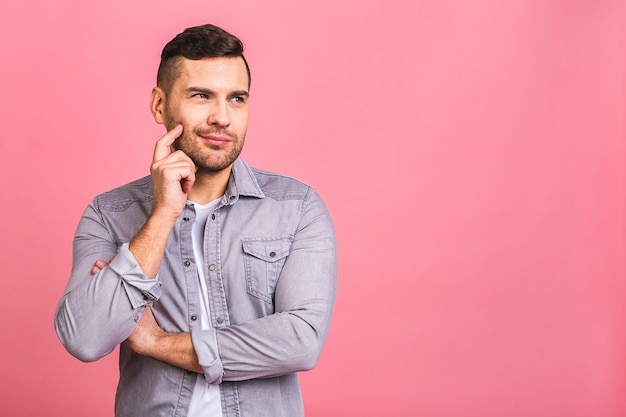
263 260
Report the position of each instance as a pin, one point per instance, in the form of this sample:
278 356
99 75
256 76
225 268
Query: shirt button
213 216
194 317
186 263
232 198
272 254
212 267
185 219
220 320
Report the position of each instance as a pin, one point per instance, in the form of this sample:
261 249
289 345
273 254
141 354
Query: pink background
471 152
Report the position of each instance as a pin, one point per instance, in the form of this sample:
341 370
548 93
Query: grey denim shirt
271 271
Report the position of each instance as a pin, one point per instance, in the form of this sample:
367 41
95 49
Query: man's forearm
148 245
177 349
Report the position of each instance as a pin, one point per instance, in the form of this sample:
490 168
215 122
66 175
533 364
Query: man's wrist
149 243
162 219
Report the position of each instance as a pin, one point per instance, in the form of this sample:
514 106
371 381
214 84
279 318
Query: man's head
203 84
198 42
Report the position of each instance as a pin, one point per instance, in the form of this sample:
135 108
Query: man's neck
209 186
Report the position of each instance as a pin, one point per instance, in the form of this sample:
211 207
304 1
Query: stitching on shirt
121 198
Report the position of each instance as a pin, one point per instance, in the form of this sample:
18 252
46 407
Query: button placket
213 275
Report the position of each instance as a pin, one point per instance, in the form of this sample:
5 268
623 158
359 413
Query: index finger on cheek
162 146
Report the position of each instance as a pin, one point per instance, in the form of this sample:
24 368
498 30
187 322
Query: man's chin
214 166
212 169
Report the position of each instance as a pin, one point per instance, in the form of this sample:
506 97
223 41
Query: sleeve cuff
205 345
141 290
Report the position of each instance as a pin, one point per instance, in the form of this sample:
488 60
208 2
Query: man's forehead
221 69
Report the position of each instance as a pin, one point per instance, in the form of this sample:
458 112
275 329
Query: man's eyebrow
207 91
239 93
199 90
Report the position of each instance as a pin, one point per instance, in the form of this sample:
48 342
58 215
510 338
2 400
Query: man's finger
98 266
162 146
187 182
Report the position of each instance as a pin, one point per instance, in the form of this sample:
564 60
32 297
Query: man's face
210 100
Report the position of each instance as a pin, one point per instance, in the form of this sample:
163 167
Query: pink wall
472 153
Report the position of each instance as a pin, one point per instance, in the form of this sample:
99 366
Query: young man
217 280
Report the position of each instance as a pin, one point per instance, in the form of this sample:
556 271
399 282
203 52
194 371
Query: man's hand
173 175
99 265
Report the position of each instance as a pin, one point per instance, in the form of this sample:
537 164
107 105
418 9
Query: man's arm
97 313
149 339
291 339
173 175
287 341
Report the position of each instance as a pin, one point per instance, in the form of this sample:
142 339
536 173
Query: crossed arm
93 316
173 175
149 339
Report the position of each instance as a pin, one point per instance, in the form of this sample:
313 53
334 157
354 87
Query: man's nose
220 115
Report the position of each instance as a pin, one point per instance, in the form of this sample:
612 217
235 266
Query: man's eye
238 99
201 95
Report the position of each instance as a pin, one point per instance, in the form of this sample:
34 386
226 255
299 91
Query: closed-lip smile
216 140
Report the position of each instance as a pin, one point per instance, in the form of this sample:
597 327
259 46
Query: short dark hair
198 42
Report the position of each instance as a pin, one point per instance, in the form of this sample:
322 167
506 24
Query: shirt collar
241 182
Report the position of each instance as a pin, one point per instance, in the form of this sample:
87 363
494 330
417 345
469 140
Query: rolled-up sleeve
98 312
205 345
140 289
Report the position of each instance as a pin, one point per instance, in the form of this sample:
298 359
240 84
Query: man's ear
157 105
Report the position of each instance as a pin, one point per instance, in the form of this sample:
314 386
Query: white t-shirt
205 401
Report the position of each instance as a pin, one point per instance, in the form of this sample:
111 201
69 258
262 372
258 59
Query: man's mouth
216 140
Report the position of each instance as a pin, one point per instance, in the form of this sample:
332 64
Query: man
217 280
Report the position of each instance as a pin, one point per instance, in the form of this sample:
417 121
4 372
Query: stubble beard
210 159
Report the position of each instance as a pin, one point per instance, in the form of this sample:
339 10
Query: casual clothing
206 399
271 274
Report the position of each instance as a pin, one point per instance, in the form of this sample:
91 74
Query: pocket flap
269 250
